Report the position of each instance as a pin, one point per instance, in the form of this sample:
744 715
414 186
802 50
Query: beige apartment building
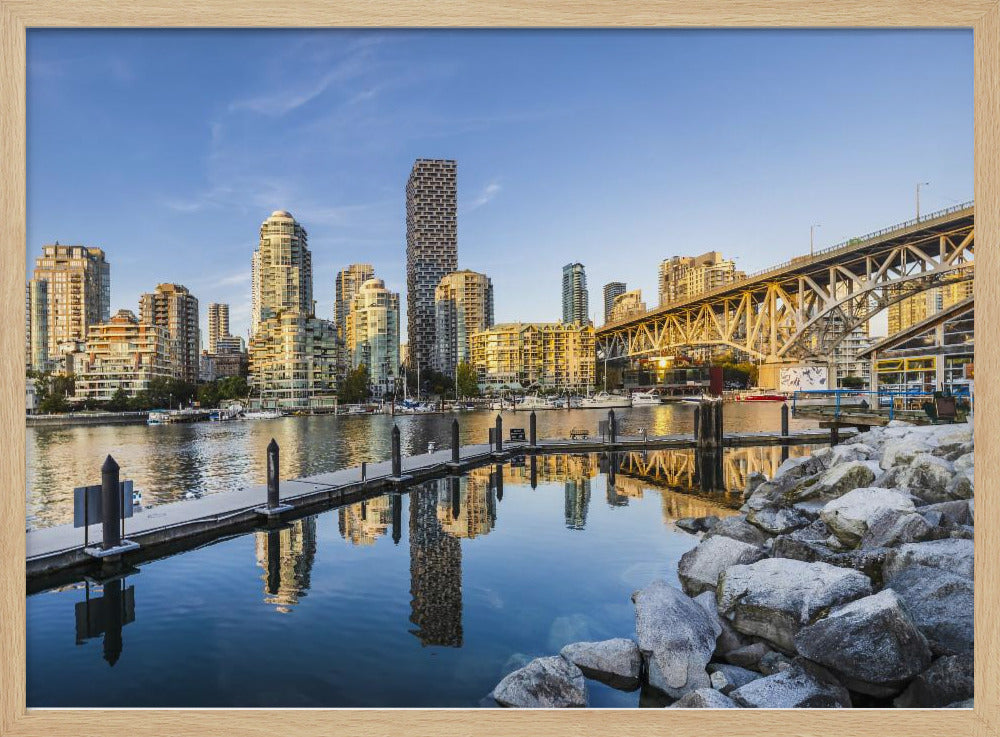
218 324
372 334
463 303
175 309
122 353
922 305
70 290
626 305
293 354
546 355
683 277
349 281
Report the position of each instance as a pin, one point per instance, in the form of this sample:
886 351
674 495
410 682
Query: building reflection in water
435 568
466 505
287 556
364 522
105 616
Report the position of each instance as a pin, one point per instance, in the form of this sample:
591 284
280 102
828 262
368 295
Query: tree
208 394
467 385
355 386
233 387
118 402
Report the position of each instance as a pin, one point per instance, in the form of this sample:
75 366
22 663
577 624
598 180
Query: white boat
264 414
603 400
695 398
640 398
531 403
157 417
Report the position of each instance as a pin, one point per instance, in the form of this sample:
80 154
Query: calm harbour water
422 599
169 461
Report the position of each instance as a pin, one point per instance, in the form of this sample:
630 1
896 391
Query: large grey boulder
956 512
797 468
866 560
870 644
891 530
738 528
940 604
676 636
729 639
542 684
850 516
965 463
778 519
616 662
961 486
704 698
791 688
775 597
749 656
727 678
835 482
900 451
951 555
699 568
949 679
926 477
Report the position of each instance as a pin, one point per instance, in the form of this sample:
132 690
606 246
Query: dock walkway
58 553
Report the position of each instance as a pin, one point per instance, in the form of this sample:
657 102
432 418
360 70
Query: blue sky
614 148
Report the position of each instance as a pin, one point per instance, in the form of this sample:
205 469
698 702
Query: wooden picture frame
16 16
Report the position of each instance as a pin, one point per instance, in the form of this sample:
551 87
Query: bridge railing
849 243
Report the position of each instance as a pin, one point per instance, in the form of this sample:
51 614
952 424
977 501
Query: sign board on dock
87 505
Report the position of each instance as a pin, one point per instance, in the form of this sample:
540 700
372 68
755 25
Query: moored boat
603 400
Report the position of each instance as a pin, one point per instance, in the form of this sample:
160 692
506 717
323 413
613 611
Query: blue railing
876 402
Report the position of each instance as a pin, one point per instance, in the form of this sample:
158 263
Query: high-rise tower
173 308
431 248
218 325
293 354
72 291
349 281
463 306
574 295
611 290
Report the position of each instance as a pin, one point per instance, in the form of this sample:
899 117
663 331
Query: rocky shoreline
847 580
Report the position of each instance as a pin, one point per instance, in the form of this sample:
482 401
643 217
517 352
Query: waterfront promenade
56 553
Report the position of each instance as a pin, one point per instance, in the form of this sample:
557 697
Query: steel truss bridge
802 309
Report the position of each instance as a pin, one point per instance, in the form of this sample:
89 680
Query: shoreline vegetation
846 581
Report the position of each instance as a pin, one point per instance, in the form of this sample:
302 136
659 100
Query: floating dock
55 555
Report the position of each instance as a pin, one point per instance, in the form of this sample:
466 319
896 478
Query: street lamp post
812 230
919 185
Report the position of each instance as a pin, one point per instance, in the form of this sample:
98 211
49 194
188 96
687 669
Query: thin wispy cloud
489 192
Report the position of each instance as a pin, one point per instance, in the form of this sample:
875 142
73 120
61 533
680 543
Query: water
333 611
167 462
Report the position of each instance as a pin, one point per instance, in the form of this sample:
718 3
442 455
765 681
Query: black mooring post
456 497
834 435
784 420
364 470
499 434
397 518
532 430
272 474
397 457
612 430
111 510
113 595
455 448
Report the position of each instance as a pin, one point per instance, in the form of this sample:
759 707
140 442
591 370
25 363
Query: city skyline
766 157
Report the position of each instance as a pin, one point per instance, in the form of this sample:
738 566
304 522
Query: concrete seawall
96 418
